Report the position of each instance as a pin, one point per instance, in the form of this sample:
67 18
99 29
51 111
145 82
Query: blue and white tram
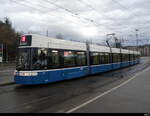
44 60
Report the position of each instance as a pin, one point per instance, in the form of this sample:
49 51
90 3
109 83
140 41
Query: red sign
66 53
23 39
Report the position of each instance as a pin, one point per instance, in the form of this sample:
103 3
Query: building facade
145 49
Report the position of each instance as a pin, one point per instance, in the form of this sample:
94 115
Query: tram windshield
24 59
32 59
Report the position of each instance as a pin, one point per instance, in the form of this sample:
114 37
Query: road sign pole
1 57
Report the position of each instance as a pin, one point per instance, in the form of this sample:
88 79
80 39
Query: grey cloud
110 16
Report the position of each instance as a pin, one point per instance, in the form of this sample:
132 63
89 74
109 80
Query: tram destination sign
26 40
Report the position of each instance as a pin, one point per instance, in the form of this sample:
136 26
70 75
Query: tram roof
49 42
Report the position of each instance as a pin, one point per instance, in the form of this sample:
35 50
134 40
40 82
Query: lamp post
137 41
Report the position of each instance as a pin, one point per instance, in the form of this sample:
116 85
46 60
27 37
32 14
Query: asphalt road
131 97
62 96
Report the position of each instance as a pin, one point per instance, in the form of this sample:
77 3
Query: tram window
81 58
102 58
131 57
24 59
135 57
39 57
53 59
107 58
123 57
110 58
119 57
138 57
69 58
128 57
95 58
116 58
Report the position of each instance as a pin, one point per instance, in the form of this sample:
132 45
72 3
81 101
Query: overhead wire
117 29
23 3
128 9
29 6
73 13
123 7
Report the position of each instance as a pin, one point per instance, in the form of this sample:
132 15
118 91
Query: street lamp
137 30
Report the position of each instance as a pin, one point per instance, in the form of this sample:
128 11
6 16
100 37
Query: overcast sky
80 19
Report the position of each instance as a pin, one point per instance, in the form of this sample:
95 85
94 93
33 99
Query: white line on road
105 93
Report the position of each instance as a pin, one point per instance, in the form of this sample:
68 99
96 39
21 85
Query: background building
144 49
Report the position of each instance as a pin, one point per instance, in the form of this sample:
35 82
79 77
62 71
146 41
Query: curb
7 83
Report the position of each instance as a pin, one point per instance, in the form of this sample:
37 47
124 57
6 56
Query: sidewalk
6 74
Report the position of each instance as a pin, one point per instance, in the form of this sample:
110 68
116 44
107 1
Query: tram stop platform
132 96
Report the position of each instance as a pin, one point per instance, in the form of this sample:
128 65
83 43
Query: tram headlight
28 74
34 74
15 73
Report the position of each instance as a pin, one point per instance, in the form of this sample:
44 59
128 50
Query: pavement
132 96
6 74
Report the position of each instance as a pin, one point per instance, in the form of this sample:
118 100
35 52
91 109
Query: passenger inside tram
40 61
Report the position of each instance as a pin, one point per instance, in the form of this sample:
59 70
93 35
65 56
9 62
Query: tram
43 60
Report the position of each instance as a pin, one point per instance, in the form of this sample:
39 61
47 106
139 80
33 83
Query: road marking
105 93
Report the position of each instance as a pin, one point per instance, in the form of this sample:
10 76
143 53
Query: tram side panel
72 73
100 68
